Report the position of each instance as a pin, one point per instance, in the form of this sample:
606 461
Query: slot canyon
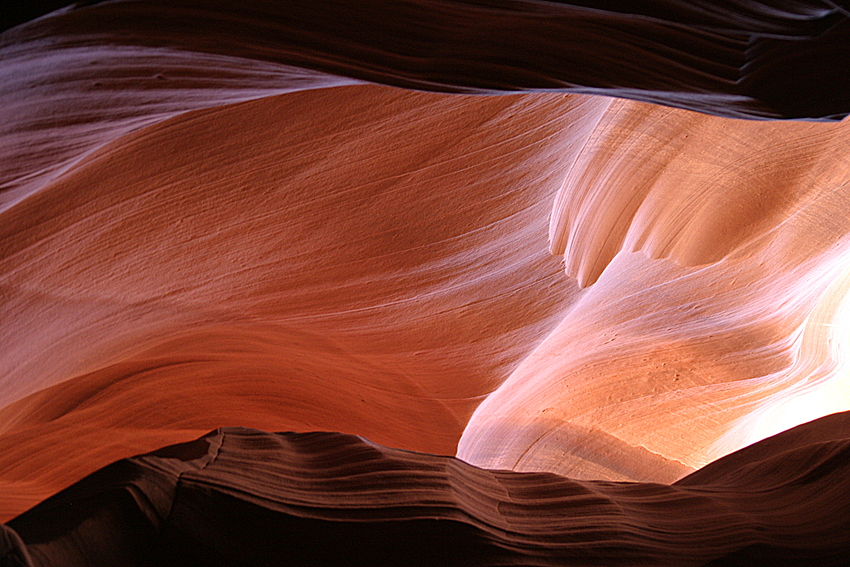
425 282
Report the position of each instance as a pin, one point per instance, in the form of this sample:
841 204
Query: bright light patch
820 375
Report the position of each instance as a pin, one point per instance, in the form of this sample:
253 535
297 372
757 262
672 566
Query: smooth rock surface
447 227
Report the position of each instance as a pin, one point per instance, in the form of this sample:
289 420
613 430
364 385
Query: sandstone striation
545 237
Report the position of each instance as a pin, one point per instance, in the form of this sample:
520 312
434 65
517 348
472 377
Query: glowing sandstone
668 356
195 232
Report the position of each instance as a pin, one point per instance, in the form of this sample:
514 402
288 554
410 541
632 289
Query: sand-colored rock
379 273
284 216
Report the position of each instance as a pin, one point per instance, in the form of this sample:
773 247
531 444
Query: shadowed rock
244 497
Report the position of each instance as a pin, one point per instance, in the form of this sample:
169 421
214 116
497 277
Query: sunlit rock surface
717 298
252 214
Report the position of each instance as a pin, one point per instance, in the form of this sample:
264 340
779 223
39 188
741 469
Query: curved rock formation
746 316
243 497
774 58
307 290
211 216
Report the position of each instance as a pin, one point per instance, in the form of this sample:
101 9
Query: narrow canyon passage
541 237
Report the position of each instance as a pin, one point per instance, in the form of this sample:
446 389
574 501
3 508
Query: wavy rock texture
777 59
210 216
746 316
244 497
295 287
